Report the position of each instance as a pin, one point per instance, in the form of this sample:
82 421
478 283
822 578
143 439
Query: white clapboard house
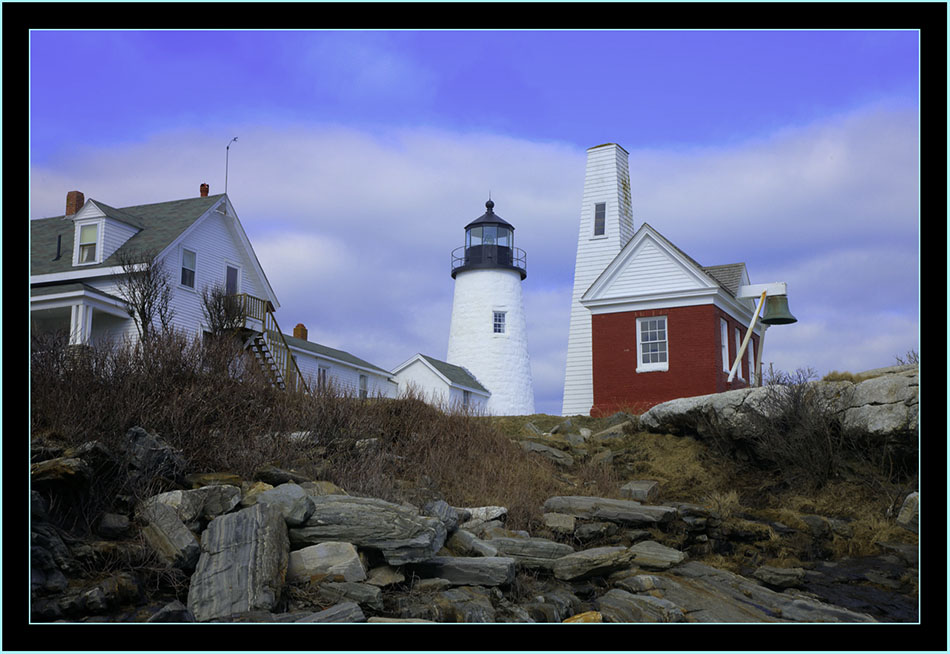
441 384
76 274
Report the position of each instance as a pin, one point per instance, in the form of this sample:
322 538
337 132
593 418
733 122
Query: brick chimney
204 190
74 202
300 331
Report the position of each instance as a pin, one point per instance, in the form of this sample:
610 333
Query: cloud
354 228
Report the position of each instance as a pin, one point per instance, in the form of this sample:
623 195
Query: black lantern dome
489 243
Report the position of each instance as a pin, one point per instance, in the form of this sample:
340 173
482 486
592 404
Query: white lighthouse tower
487 334
606 226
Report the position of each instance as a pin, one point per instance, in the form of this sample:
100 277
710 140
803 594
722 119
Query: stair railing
286 362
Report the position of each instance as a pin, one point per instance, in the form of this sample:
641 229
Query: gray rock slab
780 577
168 536
641 490
650 554
531 553
711 595
293 501
244 557
623 512
908 516
468 571
557 456
591 562
400 533
365 595
342 612
618 605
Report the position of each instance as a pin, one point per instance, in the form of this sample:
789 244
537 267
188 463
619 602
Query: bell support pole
745 341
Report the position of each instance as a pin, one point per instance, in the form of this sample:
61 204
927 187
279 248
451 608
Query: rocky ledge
304 551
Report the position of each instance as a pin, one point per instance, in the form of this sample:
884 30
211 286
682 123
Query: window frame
237 281
96 244
363 386
724 343
657 366
603 223
738 334
323 377
182 269
496 323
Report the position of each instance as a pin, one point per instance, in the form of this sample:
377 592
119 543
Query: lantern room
489 243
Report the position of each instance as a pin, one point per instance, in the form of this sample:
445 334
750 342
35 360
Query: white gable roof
651 272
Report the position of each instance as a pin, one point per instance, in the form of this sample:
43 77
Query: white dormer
98 231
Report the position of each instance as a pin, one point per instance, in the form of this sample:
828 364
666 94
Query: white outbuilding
487 334
441 384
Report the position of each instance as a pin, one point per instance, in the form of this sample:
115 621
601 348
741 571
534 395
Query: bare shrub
146 289
797 430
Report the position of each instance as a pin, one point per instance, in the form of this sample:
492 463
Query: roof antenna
227 152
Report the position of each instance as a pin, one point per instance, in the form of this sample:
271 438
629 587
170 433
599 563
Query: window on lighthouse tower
498 322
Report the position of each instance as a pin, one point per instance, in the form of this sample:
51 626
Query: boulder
464 543
113 525
201 504
291 499
333 561
559 523
276 476
174 611
641 491
622 512
400 533
244 557
150 454
592 617
587 563
64 474
553 454
168 536
443 511
650 554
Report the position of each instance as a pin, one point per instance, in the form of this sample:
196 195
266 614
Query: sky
361 156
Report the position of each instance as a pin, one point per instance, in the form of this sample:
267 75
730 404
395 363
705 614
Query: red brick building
663 326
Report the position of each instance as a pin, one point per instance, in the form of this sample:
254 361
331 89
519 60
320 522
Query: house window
498 322
322 373
600 218
88 238
231 280
652 344
188 268
724 343
466 399
363 387
738 345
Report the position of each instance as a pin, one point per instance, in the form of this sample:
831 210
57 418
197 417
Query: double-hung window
498 322
88 239
364 391
652 344
188 262
466 399
322 373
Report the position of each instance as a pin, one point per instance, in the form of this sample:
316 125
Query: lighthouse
487 334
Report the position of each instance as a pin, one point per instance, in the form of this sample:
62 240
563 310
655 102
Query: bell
776 311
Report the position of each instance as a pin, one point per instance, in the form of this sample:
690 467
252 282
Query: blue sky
362 155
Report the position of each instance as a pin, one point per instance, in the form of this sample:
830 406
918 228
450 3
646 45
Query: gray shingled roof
160 224
329 352
455 374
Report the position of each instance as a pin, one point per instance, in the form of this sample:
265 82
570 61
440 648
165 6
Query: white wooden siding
341 376
607 179
650 270
114 235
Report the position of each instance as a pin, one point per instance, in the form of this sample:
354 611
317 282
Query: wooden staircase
267 343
